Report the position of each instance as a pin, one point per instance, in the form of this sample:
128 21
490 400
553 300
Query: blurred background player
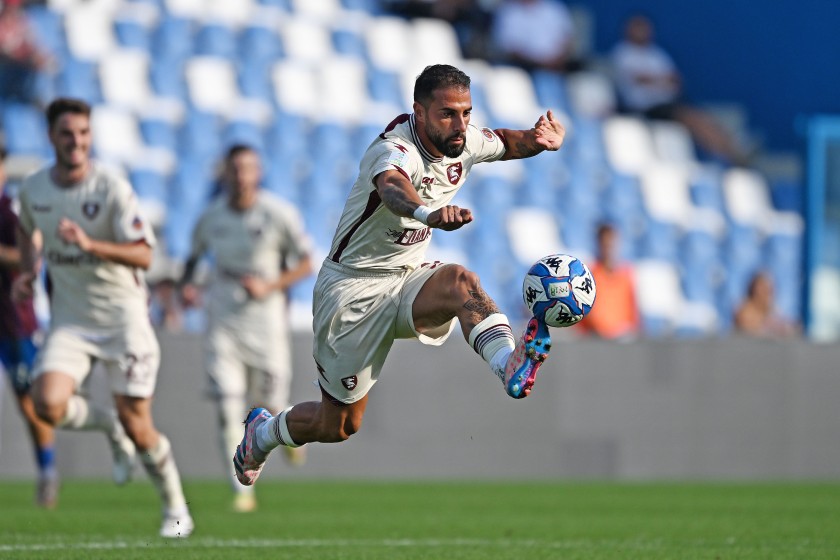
21 56
259 250
616 316
374 287
96 244
18 325
649 83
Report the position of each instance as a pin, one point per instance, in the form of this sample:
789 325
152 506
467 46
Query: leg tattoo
480 306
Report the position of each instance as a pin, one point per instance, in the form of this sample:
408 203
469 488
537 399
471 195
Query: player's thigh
354 325
132 359
223 362
427 309
65 352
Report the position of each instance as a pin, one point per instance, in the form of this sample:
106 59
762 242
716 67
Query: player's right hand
450 218
23 287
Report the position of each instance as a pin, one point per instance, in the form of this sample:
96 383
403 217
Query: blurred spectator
165 307
535 34
615 314
757 316
21 56
649 83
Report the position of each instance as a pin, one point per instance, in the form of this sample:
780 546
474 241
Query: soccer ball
559 289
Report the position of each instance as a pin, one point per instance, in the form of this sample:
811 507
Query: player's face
445 120
70 137
243 174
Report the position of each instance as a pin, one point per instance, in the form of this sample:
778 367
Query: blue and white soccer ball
559 289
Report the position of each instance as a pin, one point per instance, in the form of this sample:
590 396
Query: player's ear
419 111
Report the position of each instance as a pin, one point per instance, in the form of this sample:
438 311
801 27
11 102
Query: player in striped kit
95 244
374 286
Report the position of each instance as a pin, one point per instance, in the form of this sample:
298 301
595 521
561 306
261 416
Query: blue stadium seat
260 43
659 241
159 133
216 39
173 38
79 79
150 185
131 34
282 4
329 140
287 136
48 27
550 88
200 135
348 43
25 129
254 79
384 86
166 77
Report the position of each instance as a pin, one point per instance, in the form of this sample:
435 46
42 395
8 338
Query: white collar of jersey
416 137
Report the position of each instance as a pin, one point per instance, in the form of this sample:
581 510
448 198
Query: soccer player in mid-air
259 251
374 287
95 246
18 325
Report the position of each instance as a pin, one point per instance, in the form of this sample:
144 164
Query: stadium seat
25 130
323 10
152 191
296 88
667 197
706 191
244 132
254 79
629 144
591 94
117 140
533 233
213 87
158 132
748 202
343 89
124 77
133 23
173 39
511 98
306 40
584 141
200 135
388 42
48 26
550 88
435 40
260 42
349 42
79 79
216 39
90 32
672 143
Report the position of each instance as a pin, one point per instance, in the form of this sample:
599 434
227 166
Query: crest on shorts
453 173
350 382
90 209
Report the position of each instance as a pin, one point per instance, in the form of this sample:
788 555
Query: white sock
492 339
160 466
231 412
274 433
82 414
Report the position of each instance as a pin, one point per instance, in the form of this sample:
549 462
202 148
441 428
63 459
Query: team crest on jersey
90 209
137 223
350 382
488 134
453 173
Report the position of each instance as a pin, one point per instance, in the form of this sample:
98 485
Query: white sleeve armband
421 214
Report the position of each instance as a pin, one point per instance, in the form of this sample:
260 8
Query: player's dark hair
63 105
237 149
435 77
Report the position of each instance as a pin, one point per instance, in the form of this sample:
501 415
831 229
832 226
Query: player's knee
50 410
463 282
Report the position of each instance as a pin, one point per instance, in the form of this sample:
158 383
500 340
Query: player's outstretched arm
547 134
136 254
398 196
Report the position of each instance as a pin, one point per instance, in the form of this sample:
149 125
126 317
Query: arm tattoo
480 305
523 149
397 201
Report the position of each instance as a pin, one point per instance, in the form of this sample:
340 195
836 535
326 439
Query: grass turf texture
447 520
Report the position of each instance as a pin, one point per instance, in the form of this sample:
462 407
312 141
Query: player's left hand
549 132
256 287
70 232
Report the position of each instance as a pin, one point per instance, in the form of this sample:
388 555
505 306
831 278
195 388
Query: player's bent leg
43 439
156 456
50 393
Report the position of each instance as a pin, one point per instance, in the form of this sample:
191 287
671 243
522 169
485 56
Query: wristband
421 214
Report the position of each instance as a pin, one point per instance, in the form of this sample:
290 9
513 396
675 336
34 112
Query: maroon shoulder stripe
372 205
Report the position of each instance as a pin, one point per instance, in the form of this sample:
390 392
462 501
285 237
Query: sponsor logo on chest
412 236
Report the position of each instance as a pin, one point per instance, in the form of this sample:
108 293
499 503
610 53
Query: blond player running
259 251
95 246
374 287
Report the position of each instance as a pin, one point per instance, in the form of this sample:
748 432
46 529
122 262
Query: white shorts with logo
357 317
131 357
246 368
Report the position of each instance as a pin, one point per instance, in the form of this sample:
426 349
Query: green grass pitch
445 520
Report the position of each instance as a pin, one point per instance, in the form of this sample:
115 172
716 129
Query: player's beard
442 144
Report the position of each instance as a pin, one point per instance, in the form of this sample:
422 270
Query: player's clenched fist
450 218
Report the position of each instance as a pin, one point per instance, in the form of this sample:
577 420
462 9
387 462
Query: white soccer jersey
371 236
256 242
85 291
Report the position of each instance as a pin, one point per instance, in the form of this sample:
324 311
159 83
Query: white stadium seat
747 199
629 144
533 233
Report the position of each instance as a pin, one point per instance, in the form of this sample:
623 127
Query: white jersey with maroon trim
259 241
371 236
85 291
